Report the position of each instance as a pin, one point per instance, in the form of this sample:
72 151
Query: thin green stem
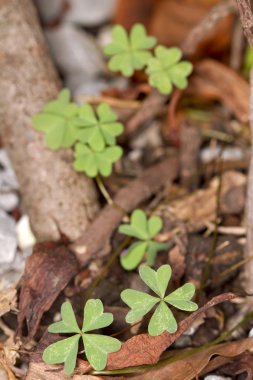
107 196
109 263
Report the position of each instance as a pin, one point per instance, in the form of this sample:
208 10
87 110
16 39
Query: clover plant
58 120
165 70
141 303
94 162
129 53
144 229
96 346
98 129
92 133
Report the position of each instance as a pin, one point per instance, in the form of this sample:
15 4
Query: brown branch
246 16
245 10
208 23
95 238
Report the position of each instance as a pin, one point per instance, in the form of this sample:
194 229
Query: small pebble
90 13
215 377
25 236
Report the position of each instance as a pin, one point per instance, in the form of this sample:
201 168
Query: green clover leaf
144 229
129 53
98 129
165 70
141 303
58 120
93 162
96 346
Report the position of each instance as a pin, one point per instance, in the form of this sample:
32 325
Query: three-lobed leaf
94 162
129 53
156 280
58 121
165 69
98 129
68 323
63 351
141 303
96 346
94 316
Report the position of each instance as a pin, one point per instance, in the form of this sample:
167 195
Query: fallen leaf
190 367
198 208
145 349
43 371
131 12
48 270
216 81
6 373
243 364
8 300
182 16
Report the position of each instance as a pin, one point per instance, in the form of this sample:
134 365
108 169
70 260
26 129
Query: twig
246 16
150 108
237 45
117 103
197 34
94 239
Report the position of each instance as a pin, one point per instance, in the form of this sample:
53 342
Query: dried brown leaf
189 367
8 300
145 349
217 81
199 208
6 373
48 270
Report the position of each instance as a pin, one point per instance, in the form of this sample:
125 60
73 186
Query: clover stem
108 198
103 271
103 190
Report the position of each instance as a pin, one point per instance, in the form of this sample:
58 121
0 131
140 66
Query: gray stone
49 10
75 51
8 239
90 12
8 201
8 180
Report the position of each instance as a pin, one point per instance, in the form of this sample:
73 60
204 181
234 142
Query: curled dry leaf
244 364
199 208
6 373
43 371
145 349
48 270
216 81
189 367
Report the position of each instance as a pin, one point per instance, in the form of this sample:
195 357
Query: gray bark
57 200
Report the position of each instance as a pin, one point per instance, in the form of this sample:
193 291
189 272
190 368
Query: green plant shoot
142 303
58 121
144 229
96 346
165 69
129 53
